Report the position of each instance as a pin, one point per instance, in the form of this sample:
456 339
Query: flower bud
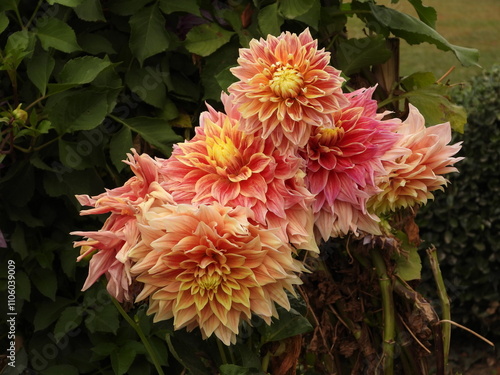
20 114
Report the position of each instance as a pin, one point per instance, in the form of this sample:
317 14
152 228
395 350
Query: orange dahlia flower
286 88
343 161
226 165
420 168
109 246
207 266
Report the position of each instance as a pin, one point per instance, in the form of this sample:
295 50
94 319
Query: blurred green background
474 24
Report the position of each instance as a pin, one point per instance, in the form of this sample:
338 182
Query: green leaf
312 16
90 10
148 85
104 348
19 45
110 83
23 286
81 154
126 7
183 88
46 282
58 35
205 39
183 352
18 41
68 3
290 323
225 78
415 31
230 369
438 109
409 265
234 20
84 109
46 253
122 359
108 79
67 260
8 5
148 35
61 369
48 312
24 215
4 22
155 131
120 144
418 80
249 358
188 6
270 20
160 347
432 101
427 15
18 241
67 182
57 88
103 318
294 8
69 320
170 111
355 54
82 70
95 44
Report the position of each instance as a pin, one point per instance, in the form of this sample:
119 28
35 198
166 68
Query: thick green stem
444 300
144 339
19 19
34 14
265 362
35 102
388 312
222 352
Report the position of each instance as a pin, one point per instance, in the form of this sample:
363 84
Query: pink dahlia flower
207 266
286 88
420 168
225 165
343 161
110 245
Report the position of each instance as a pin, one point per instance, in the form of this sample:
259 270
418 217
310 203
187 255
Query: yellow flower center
286 82
225 154
330 136
209 282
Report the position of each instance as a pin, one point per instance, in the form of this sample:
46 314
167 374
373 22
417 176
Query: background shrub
464 223
83 81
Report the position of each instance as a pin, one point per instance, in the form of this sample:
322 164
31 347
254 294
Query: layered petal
223 164
209 267
343 162
424 159
109 246
286 88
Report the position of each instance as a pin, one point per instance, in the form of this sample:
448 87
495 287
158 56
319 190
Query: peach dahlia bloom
286 88
109 246
343 161
419 170
223 164
207 266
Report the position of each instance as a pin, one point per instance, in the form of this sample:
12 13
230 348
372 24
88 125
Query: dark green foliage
464 223
83 81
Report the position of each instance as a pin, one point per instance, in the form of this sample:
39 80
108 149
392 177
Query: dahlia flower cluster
211 235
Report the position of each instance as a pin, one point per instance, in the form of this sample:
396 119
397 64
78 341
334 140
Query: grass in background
474 24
